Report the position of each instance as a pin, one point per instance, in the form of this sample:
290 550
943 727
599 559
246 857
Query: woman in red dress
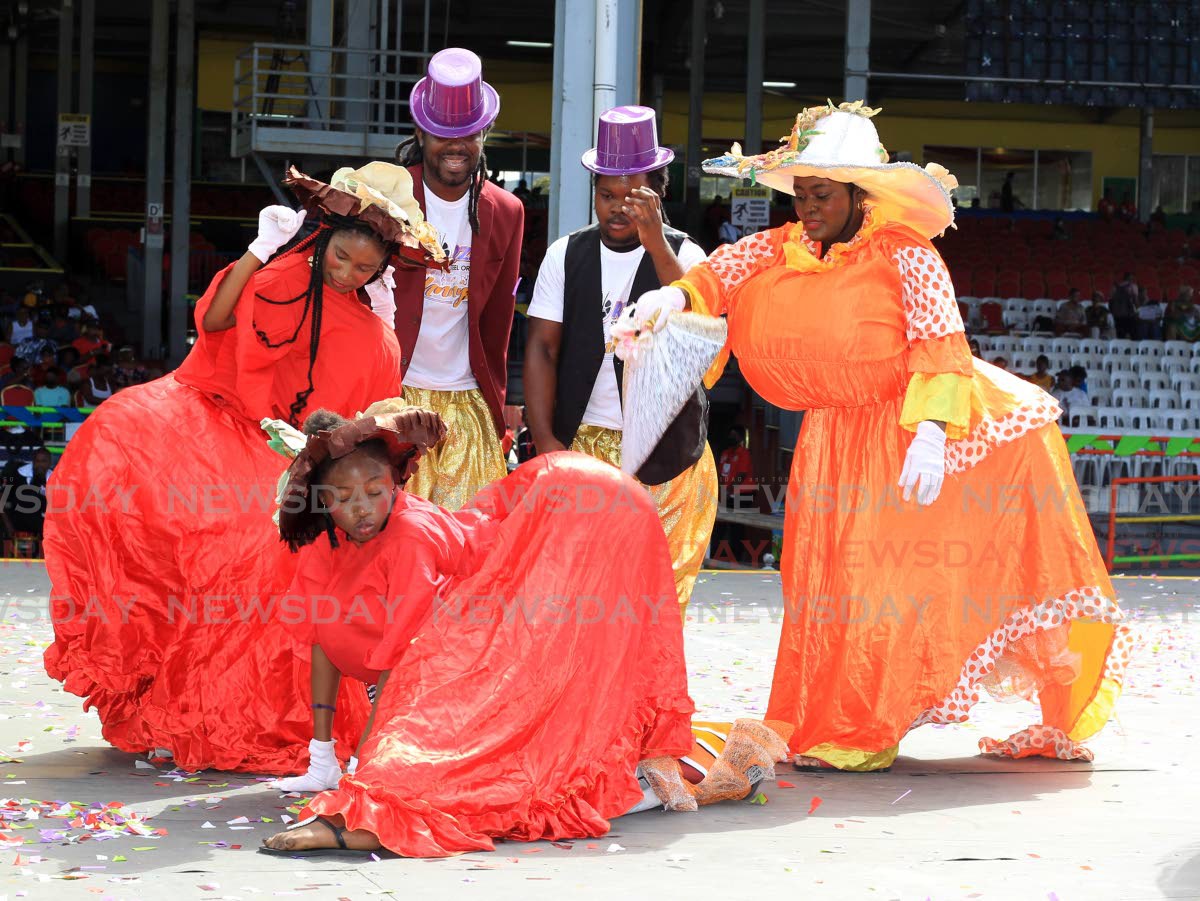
163 559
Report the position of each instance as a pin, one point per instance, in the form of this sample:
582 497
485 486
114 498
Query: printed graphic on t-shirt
611 312
450 287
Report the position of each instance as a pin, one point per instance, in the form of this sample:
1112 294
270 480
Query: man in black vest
573 380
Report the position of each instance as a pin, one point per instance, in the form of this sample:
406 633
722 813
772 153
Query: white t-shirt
441 359
617 271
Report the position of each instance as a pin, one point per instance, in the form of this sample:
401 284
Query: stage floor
943 823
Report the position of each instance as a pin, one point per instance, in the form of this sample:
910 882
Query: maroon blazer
491 292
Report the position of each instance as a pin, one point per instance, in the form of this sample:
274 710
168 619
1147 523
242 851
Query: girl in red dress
164 565
487 631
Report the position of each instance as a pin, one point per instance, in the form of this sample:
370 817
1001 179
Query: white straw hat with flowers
841 143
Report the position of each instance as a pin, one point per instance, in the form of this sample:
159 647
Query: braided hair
313 296
410 153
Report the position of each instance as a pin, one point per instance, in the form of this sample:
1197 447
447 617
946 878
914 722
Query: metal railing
299 98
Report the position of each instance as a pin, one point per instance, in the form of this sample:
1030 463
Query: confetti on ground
783 784
614 848
816 802
903 796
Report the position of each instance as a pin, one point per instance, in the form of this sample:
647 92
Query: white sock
649 800
323 771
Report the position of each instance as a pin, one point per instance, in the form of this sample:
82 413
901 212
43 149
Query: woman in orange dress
936 545
162 555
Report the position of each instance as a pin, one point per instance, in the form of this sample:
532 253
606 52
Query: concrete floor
943 823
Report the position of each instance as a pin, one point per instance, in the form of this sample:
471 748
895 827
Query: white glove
657 306
925 464
276 226
383 300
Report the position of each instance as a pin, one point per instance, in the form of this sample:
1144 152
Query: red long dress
163 559
535 657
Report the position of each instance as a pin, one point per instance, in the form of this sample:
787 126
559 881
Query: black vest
581 355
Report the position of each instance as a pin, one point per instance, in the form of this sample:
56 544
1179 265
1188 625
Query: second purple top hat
453 100
627 143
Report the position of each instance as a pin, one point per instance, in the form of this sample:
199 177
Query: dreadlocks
313 297
410 153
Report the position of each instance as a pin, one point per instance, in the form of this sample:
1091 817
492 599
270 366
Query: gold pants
468 459
687 505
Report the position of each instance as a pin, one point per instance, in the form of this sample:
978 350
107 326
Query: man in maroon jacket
454 326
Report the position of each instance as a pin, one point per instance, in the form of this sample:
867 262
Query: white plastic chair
1148 364
1023 363
1100 396
1018 319
1036 344
1127 398
1004 345
1119 380
1044 308
1148 348
1154 381
1164 399
1145 420
1180 420
1068 346
1098 378
1190 400
1184 381
1112 417
1119 363
1181 349
1122 346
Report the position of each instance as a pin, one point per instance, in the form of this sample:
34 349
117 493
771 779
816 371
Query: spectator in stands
521 191
1107 208
1123 305
21 327
1099 319
1008 201
52 393
728 233
33 348
525 448
1150 316
1001 363
25 507
99 384
91 343
127 371
17 375
37 374
1042 377
1079 377
1060 231
1068 395
82 309
1183 321
975 349
64 330
1071 318
1159 217
1127 211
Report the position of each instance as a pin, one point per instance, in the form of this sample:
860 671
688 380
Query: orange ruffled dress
899 615
164 563
547 667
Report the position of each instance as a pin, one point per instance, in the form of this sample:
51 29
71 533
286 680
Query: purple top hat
453 100
627 143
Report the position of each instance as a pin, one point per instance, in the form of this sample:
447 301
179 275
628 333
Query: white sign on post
750 209
74 130
154 225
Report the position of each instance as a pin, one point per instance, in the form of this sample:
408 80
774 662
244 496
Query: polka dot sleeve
938 356
713 285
